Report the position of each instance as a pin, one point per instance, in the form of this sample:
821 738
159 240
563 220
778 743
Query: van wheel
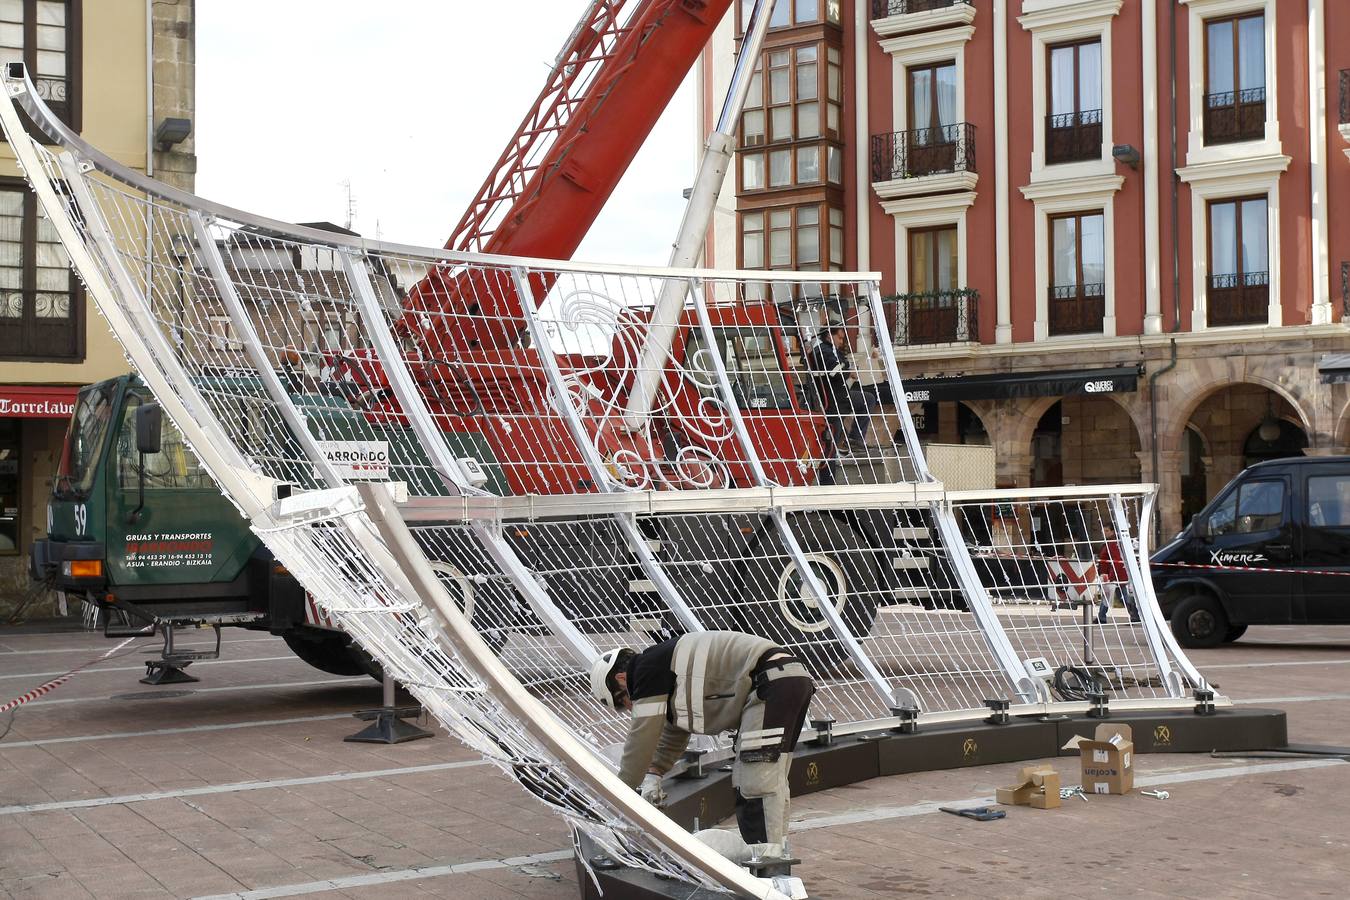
1199 622
1233 633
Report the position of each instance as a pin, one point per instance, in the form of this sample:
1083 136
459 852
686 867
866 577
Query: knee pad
750 819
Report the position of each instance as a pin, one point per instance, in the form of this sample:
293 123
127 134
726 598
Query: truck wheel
332 652
782 608
1233 633
1198 621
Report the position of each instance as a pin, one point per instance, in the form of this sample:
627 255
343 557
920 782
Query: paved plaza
241 786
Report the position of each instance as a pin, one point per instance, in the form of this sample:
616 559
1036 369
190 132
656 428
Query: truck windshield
174 466
85 439
752 365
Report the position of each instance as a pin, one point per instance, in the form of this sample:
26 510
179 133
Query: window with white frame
1071 97
1077 292
1235 78
1238 283
934 259
1232 85
1073 125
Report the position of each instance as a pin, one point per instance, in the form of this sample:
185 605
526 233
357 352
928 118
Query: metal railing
1077 308
1232 116
1074 136
935 317
1241 298
923 151
882 9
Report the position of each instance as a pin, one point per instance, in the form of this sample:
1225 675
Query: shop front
32 423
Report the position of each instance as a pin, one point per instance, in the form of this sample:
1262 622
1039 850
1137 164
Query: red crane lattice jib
566 160
596 35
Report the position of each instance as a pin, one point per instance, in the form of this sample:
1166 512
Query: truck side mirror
149 422
1200 527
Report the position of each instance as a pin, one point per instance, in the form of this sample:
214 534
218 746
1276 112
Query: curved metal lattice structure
486 520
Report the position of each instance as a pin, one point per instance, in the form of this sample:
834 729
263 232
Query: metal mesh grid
405 637
607 390
1060 589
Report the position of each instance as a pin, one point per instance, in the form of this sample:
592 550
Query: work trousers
770 726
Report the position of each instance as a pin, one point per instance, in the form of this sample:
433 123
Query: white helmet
602 670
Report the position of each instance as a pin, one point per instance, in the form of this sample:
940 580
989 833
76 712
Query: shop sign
36 402
358 459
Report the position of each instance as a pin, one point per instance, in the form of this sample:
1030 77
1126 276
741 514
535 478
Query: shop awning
1334 368
1007 385
37 401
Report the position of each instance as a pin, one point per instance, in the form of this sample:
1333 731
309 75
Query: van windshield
85 440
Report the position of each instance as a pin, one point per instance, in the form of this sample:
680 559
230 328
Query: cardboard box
1107 759
1046 795
1037 787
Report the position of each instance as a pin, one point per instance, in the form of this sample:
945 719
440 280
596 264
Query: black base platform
704 802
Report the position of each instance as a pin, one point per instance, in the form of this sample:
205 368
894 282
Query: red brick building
1049 221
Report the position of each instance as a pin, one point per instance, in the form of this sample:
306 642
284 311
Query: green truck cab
137 529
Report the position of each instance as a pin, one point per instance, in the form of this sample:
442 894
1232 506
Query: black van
1273 548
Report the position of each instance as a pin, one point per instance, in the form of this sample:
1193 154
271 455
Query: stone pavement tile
380 852
80 847
126 880
236 811
176 866
437 843
256 868
490 885
57 780
537 882
172 813
116 820
17 845
59 885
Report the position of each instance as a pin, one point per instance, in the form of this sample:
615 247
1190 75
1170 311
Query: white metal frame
381 586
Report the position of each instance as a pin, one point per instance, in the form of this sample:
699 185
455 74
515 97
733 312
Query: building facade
115 70
1104 227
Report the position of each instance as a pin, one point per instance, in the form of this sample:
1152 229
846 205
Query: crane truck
135 528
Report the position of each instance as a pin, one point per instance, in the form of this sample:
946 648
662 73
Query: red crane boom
610 84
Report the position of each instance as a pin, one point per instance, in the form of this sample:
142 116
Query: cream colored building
115 70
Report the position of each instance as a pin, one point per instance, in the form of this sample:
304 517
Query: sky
409 101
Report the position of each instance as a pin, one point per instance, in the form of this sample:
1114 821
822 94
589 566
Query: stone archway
1234 418
1101 442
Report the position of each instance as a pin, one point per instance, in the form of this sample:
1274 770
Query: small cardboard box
1038 787
1107 759
1046 794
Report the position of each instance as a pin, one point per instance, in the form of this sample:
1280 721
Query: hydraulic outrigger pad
386 723
170 667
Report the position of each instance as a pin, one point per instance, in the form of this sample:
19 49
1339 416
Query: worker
706 683
847 405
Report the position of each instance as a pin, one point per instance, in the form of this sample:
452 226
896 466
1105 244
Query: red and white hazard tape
52 685
1158 565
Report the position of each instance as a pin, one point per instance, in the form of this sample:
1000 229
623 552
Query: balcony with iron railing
1077 308
1240 298
1073 137
883 9
935 317
941 150
1233 116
